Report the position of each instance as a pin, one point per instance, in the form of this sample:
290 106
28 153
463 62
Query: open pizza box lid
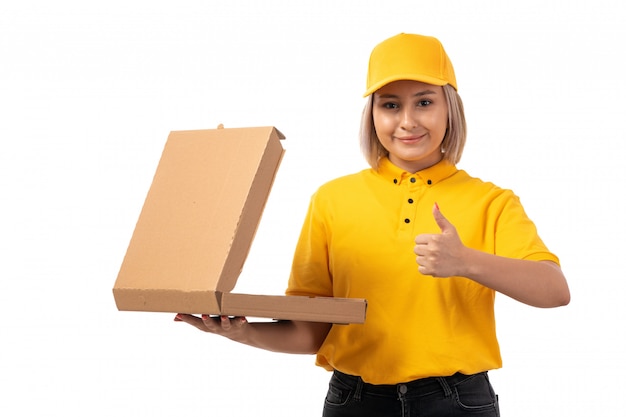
196 228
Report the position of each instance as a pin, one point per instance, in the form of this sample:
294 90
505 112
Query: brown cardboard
196 228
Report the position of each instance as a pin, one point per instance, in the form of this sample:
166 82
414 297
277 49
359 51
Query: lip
410 139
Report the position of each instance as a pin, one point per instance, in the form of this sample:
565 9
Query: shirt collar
429 176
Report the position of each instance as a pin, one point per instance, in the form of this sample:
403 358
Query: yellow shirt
357 241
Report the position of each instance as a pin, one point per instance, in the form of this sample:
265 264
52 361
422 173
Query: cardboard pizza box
196 228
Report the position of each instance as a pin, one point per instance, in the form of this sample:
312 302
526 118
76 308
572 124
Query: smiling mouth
410 139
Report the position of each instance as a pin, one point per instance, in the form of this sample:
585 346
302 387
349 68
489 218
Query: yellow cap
409 57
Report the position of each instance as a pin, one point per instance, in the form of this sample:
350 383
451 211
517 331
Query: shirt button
429 182
395 181
407 221
413 180
410 201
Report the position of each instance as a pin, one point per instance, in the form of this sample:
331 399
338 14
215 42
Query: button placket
413 190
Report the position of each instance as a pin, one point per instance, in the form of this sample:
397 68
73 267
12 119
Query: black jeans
453 396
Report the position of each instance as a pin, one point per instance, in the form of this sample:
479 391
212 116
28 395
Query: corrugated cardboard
196 228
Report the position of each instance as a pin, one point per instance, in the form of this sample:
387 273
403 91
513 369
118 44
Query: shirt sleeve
310 275
516 235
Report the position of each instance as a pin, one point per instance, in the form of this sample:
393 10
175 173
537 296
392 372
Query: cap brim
412 77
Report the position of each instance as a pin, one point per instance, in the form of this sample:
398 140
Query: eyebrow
418 94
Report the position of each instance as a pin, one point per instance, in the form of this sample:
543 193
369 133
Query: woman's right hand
222 325
285 336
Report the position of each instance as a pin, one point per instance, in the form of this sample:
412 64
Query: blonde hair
453 142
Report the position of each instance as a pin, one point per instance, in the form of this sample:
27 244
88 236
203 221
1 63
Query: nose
407 119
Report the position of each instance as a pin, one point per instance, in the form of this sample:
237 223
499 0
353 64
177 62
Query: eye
424 103
390 105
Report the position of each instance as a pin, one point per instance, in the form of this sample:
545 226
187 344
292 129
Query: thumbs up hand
440 255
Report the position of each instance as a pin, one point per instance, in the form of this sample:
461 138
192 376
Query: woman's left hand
440 255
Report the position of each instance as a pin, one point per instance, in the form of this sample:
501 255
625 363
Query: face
410 119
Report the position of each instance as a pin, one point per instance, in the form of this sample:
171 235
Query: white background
89 92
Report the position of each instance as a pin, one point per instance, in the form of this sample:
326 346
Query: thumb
441 221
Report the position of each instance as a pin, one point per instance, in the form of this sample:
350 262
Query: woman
430 280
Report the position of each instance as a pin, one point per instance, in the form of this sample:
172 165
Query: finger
421 260
226 325
423 239
420 250
440 219
236 322
187 318
191 319
210 322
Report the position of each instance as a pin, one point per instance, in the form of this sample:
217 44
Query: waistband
418 387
